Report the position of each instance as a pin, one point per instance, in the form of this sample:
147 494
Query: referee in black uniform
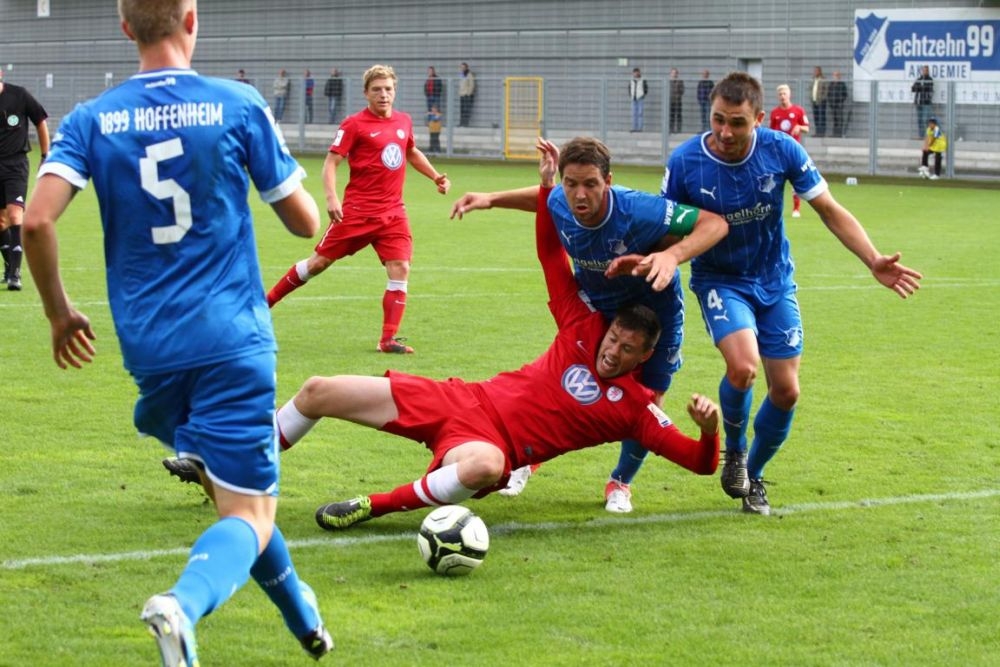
17 107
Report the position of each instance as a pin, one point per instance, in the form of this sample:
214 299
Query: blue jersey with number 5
171 155
755 255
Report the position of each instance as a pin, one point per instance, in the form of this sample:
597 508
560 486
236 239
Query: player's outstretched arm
522 199
902 280
886 269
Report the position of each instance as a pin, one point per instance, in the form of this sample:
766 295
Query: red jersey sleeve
564 292
660 436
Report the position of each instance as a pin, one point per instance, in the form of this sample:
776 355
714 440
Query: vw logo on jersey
579 383
13 120
392 156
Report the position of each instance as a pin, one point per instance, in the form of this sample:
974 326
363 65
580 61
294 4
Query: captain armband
682 219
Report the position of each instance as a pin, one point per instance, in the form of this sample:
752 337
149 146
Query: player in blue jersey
745 284
171 155
597 223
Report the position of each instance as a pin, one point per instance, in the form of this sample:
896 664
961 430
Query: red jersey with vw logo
558 403
784 119
376 150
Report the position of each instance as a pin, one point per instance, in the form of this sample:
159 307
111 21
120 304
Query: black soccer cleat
338 516
187 470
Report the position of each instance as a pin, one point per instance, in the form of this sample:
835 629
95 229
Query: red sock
288 284
400 499
393 307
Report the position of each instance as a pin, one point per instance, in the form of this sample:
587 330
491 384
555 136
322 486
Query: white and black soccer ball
453 540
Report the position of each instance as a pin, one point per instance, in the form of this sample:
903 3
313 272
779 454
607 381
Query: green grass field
882 550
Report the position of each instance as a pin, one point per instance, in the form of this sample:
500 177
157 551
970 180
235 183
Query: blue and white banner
892 46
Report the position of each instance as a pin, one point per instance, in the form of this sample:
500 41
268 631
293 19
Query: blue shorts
778 326
221 415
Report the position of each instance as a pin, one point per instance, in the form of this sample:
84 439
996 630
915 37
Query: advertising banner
892 46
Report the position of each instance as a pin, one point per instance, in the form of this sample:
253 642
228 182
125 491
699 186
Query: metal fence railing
878 133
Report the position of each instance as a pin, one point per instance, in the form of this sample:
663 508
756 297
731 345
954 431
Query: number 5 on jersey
167 189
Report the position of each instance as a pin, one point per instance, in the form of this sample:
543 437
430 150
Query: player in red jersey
790 119
377 143
580 393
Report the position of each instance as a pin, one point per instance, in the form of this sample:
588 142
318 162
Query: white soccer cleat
924 172
933 177
618 497
518 480
172 630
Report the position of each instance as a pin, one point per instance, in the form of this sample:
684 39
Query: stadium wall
584 49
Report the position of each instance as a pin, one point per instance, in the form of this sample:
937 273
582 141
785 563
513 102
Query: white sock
302 269
396 286
292 424
441 487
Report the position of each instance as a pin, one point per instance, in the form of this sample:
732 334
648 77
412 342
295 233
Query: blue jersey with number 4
171 155
755 256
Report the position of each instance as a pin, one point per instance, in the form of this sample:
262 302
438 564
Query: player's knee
784 397
742 375
484 469
311 392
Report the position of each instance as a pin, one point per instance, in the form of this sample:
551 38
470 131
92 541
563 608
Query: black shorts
14 181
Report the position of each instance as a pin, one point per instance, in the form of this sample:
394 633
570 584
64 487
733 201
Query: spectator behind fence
280 89
466 94
818 99
704 98
923 97
676 101
308 88
836 97
334 92
433 88
637 89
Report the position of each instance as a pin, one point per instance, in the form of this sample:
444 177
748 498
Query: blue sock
219 565
276 575
735 406
770 430
629 461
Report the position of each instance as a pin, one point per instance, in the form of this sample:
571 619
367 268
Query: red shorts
442 415
389 235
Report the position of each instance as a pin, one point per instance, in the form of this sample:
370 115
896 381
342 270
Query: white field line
928 284
517 527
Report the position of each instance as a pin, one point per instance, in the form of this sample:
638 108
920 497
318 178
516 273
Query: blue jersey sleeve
801 170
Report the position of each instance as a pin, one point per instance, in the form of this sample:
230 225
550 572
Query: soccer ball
453 540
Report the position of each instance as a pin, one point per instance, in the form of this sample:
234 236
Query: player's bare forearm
419 161
299 213
886 269
523 199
